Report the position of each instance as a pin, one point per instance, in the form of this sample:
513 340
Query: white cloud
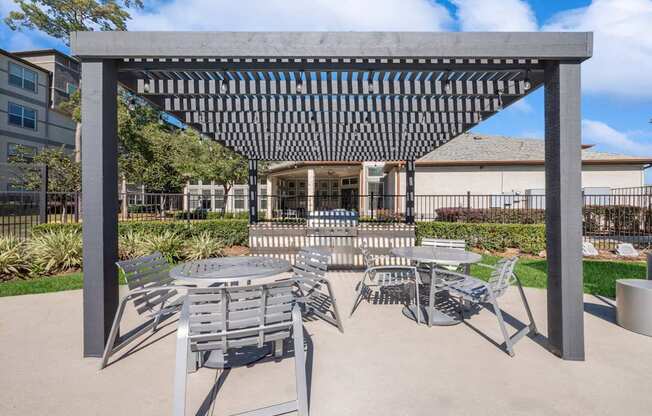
294 15
622 51
522 106
497 15
636 143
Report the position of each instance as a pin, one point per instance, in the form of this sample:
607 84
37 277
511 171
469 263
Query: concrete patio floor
383 364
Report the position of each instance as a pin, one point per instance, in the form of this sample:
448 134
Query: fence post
76 207
188 207
371 204
468 199
649 266
43 196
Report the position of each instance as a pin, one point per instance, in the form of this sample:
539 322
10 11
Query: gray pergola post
100 202
253 191
409 191
563 209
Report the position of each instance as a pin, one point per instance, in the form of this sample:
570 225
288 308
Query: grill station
333 223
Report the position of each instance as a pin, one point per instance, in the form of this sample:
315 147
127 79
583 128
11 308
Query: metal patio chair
445 243
314 290
479 292
152 293
382 277
220 321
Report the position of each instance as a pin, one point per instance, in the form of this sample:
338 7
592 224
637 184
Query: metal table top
439 255
228 269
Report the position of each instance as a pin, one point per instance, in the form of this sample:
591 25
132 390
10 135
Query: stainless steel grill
335 223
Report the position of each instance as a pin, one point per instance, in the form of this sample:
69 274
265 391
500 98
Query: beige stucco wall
458 180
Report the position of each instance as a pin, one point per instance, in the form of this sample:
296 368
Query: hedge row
230 232
529 238
492 215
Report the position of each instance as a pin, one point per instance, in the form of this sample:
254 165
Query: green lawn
599 277
42 285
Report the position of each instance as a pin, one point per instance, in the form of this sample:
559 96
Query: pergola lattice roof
315 100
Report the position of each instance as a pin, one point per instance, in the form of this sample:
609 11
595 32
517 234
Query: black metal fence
607 219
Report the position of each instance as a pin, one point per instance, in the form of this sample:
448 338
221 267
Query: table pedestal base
438 318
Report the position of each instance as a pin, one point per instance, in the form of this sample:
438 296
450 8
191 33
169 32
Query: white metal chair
227 319
477 291
314 290
381 277
152 293
444 243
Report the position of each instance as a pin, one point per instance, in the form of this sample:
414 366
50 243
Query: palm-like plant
168 243
203 246
56 251
13 261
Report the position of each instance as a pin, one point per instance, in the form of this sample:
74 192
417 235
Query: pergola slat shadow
334 96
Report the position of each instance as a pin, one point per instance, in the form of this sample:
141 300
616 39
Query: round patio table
435 256
225 270
240 270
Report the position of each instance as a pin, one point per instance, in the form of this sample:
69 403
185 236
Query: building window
71 88
20 152
22 116
375 171
239 198
219 198
22 77
262 198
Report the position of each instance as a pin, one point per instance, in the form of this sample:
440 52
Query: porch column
270 197
253 191
311 189
564 209
409 191
100 201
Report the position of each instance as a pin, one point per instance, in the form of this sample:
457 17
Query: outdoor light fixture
448 86
300 83
146 88
527 84
223 86
370 80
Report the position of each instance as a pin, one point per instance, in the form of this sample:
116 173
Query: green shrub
131 244
13 258
202 246
55 251
229 232
492 215
167 243
529 238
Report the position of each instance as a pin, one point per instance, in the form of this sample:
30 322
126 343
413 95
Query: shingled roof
471 147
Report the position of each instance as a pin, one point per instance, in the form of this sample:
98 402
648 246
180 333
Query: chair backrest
148 272
438 242
233 317
310 264
503 275
367 258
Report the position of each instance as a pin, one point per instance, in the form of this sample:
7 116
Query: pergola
347 96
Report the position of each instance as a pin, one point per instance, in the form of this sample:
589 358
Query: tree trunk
78 142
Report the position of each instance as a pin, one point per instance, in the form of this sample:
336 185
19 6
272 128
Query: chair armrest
486 266
452 273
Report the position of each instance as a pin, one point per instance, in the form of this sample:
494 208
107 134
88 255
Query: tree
59 18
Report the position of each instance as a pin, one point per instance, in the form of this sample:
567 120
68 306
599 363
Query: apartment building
28 114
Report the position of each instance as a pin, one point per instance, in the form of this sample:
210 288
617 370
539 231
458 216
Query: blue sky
617 81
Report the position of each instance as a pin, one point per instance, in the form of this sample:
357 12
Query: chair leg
532 325
360 291
113 334
501 323
417 301
299 363
181 374
431 299
335 310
